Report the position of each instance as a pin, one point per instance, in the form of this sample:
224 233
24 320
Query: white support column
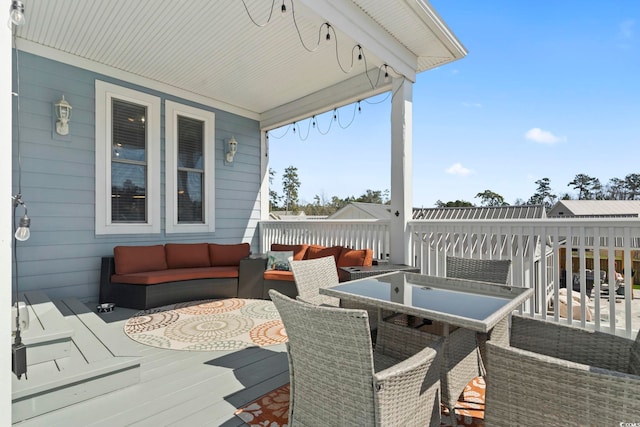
5 219
401 169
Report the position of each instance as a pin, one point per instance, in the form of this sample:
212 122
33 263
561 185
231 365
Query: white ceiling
213 50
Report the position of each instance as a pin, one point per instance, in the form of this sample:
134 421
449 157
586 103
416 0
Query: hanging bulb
359 53
16 13
22 232
386 74
294 127
335 114
359 109
328 36
314 121
283 8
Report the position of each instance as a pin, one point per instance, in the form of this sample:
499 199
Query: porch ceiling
213 51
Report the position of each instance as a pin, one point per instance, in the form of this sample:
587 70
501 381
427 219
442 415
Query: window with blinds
128 162
189 169
190 174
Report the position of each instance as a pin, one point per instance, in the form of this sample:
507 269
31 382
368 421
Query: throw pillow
275 257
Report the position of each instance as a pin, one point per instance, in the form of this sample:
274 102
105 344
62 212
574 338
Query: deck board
176 387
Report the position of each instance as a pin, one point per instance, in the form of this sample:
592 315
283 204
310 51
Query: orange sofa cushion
355 257
175 275
316 251
278 275
137 259
299 251
187 255
228 254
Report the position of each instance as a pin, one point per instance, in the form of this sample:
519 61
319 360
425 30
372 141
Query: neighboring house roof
359 210
288 216
362 210
481 212
596 208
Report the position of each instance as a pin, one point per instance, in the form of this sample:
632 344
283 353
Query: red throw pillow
316 251
228 254
355 257
187 255
139 259
299 251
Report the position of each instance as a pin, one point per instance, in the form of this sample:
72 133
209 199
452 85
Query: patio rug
227 324
272 409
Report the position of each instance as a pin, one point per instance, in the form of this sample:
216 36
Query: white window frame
171 113
105 92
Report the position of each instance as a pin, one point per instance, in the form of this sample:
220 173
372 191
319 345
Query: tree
456 204
274 198
543 194
489 198
371 196
632 184
290 186
586 186
615 189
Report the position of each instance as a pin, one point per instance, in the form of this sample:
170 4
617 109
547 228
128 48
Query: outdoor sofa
283 281
144 277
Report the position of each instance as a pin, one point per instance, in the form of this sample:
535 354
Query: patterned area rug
272 409
228 324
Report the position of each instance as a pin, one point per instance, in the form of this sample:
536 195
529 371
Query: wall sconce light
63 114
232 147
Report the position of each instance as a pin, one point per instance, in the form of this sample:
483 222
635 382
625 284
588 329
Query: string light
328 36
283 8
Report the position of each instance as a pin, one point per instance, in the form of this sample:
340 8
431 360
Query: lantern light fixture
63 115
232 148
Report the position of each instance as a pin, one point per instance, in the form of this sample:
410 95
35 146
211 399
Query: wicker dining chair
465 349
311 275
558 375
337 379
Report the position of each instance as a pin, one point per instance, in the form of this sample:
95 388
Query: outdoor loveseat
283 281
151 276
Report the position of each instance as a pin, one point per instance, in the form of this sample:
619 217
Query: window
127 161
190 197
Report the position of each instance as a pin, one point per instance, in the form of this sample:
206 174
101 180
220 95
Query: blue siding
62 257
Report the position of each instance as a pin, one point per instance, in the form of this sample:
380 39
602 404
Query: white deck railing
537 250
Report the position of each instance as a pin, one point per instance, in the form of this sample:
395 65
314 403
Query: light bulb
22 232
283 9
16 13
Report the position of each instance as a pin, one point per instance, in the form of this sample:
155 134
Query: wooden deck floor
176 388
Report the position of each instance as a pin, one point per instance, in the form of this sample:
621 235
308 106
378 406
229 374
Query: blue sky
548 89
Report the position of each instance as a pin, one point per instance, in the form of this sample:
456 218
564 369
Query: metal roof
482 212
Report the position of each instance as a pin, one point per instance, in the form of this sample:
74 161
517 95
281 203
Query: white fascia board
346 92
347 17
439 28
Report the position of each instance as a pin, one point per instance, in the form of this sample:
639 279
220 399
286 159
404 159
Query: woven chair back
313 274
482 270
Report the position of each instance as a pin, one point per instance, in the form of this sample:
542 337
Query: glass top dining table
469 304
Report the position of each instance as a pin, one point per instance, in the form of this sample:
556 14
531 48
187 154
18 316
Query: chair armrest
408 392
571 343
527 388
